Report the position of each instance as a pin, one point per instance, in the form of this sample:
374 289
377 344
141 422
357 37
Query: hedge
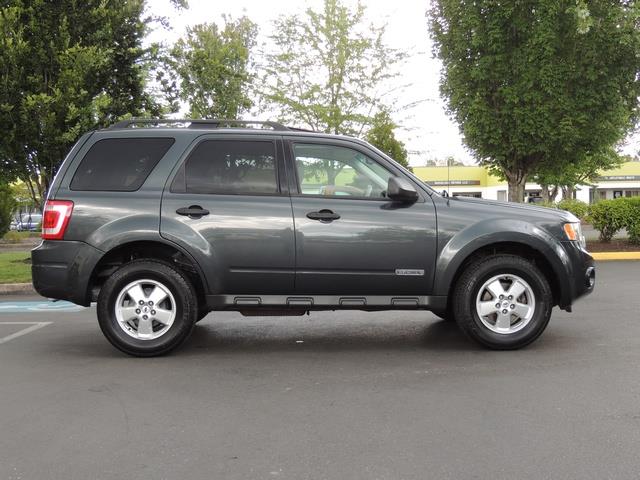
579 208
7 204
633 219
611 216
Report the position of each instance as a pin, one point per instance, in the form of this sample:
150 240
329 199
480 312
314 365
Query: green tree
564 177
327 69
7 205
538 82
213 67
65 68
451 161
381 135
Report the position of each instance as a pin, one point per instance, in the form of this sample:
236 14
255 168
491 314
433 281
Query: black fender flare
494 232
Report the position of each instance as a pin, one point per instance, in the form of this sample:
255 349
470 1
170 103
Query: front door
229 206
350 238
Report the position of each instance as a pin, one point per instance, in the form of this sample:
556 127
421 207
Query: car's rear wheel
503 302
147 308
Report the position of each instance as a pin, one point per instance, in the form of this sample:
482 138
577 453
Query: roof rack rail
196 123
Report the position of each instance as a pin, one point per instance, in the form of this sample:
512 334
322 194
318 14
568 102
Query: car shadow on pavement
229 335
429 334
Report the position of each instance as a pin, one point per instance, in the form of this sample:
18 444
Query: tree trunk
545 194
567 192
516 187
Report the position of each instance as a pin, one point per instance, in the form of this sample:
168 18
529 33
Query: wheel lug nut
504 311
137 310
140 302
512 307
510 297
151 304
501 297
153 312
497 305
144 317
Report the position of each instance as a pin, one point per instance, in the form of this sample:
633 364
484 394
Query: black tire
184 296
471 281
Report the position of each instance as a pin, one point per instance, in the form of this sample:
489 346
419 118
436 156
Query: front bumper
62 269
582 278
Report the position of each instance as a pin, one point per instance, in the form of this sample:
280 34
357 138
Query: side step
302 303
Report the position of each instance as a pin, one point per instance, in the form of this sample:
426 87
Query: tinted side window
231 167
119 164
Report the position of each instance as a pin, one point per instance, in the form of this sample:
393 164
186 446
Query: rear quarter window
119 164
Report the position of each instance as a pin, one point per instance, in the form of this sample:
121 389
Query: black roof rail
196 123
296 129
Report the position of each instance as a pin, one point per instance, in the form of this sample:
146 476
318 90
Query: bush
547 204
7 204
633 219
577 207
609 217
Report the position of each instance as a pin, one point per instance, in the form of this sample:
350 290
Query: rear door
228 203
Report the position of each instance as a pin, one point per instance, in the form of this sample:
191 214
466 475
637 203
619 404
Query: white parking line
34 326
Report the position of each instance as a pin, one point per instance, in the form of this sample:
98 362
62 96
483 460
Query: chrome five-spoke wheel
145 309
505 304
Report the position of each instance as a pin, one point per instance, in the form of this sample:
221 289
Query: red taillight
56 218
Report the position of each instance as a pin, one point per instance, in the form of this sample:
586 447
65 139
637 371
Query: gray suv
161 222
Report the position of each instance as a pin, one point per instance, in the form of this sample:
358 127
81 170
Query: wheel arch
546 253
151 249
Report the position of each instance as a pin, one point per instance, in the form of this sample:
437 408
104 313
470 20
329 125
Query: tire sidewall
170 279
530 274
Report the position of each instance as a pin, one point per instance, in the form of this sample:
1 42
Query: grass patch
14 236
15 267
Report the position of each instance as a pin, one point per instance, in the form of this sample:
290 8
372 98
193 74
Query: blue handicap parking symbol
40 306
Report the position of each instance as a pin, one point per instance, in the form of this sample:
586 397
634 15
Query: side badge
410 271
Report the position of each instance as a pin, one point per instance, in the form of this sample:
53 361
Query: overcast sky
426 129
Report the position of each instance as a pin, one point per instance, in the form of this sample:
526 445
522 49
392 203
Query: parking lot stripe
34 326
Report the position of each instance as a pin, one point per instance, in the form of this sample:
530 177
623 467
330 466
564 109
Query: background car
29 222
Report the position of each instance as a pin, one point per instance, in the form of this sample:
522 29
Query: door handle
194 211
323 215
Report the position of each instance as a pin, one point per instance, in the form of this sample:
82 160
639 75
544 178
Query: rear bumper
62 270
582 277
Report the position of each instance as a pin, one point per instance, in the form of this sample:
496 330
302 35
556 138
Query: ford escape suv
161 222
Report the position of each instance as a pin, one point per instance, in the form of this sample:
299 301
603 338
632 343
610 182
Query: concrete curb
17 289
604 256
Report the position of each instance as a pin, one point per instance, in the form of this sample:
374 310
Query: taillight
56 218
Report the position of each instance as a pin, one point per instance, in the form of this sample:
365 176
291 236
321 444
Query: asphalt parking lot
327 396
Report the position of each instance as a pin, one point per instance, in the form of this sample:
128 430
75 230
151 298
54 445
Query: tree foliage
566 176
213 67
7 205
327 68
381 135
535 83
65 68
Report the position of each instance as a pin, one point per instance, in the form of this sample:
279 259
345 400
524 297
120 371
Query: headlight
573 231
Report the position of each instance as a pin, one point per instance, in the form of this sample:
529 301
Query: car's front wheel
503 302
147 308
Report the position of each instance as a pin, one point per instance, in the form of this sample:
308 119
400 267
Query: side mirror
401 190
